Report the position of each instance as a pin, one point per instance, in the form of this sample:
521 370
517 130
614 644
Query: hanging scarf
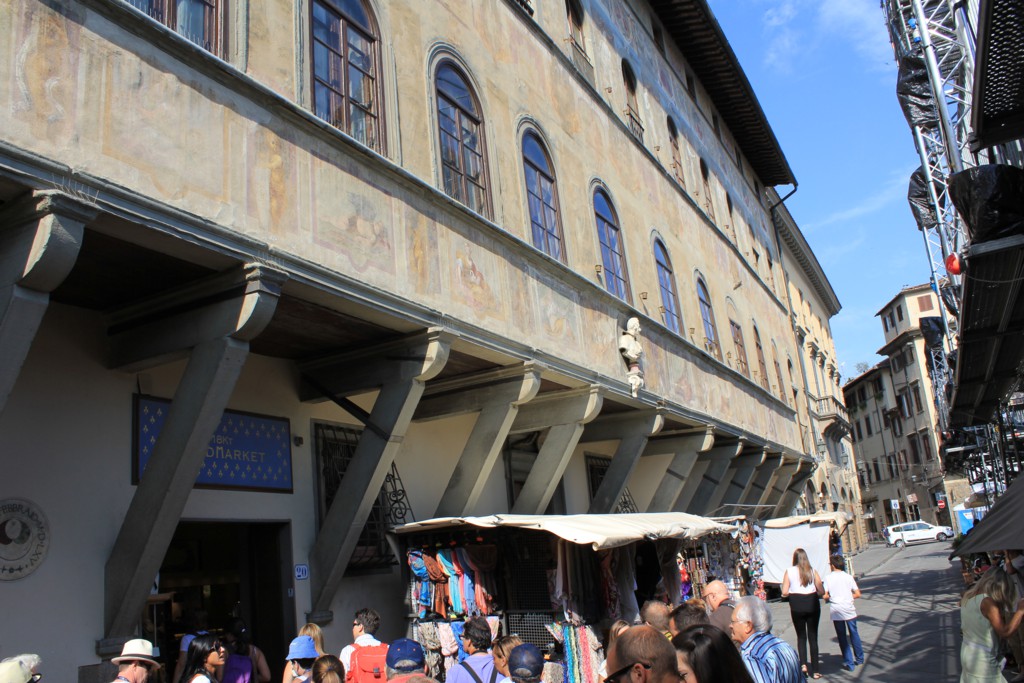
609 587
431 643
570 676
626 577
440 581
484 560
449 644
422 589
444 558
458 628
467 587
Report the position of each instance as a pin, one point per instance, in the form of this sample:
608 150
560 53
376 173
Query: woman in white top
802 585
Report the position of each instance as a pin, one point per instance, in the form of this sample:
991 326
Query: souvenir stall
554 580
735 559
814 533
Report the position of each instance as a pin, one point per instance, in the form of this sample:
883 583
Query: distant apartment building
894 419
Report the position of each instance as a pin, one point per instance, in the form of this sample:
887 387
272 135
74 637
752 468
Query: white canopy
1002 528
600 531
840 519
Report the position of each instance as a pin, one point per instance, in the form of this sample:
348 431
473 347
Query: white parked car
900 535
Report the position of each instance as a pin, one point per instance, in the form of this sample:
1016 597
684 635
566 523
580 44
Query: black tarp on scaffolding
914 91
920 201
991 356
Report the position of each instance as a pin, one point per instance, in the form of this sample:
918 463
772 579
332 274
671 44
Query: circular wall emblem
24 538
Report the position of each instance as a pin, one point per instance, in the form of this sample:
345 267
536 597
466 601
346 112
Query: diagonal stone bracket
779 481
406 366
761 480
685 449
40 237
237 303
632 430
792 492
498 396
563 413
218 347
706 476
737 478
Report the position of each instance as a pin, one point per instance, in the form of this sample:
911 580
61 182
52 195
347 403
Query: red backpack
368 664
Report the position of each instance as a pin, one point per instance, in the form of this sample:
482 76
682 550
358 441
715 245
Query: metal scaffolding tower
938 35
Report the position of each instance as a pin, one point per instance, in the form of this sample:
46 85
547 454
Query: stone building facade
815 379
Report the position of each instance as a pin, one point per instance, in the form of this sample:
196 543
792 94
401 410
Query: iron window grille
335 446
597 468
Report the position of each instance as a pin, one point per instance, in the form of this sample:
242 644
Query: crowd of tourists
715 638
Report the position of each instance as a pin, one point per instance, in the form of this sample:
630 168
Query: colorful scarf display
583 654
454 582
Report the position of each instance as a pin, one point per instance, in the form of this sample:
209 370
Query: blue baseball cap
405 654
525 661
302 647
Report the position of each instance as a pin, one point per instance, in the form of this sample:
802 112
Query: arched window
463 157
762 366
200 21
346 59
740 347
677 158
545 223
667 285
707 314
778 374
574 12
632 108
613 255
732 221
792 382
705 175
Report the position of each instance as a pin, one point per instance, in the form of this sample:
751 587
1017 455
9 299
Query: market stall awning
840 519
1001 528
599 531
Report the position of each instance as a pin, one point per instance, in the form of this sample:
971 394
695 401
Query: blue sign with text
246 451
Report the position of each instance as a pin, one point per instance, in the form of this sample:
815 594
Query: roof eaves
795 241
696 32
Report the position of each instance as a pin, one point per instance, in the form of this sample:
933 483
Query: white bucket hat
138 650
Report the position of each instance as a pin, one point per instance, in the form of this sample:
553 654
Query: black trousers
806 612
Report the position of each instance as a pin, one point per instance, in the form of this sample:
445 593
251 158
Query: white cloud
835 252
796 29
780 14
861 24
894 188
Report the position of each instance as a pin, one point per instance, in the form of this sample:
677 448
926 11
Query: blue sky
825 75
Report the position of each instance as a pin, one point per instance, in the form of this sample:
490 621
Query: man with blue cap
525 664
405 660
301 655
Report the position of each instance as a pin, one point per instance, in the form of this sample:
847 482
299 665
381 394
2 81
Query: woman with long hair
246 662
986 615
500 650
314 632
802 585
205 656
705 654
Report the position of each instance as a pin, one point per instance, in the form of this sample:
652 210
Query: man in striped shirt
768 658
